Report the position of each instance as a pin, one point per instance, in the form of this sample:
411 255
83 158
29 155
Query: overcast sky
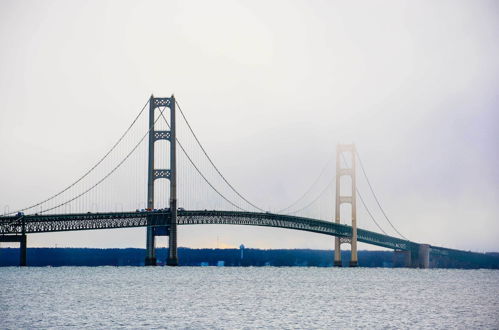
270 87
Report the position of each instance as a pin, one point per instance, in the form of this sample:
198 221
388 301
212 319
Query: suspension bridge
142 177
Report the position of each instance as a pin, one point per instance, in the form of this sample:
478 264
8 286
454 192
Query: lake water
232 298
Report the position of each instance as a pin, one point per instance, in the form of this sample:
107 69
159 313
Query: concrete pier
22 240
424 256
22 257
420 257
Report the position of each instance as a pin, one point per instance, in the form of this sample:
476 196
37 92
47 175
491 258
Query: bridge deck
87 221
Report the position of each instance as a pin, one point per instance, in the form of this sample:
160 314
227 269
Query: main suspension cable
316 199
375 197
363 202
369 212
310 188
199 171
90 170
107 175
213 164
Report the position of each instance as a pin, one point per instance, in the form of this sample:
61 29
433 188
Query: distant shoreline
218 257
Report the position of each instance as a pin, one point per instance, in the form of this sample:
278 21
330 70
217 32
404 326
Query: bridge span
231 206
15 229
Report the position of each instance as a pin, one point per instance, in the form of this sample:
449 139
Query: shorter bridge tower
341 150
170 174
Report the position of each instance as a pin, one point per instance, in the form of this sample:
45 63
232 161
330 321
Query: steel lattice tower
340 199
170 174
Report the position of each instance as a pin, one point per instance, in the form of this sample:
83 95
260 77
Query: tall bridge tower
341 150
170 174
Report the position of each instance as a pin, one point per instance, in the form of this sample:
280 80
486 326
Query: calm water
209 297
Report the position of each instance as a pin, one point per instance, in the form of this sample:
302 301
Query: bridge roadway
12 226
88 221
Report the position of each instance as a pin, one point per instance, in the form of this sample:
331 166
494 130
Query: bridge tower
170 174
341 149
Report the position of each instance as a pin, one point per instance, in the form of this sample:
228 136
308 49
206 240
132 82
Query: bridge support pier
150 248
420 257
23 246
172 259
23 252
424 256
337 252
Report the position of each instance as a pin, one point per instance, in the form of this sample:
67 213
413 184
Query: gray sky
270 87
